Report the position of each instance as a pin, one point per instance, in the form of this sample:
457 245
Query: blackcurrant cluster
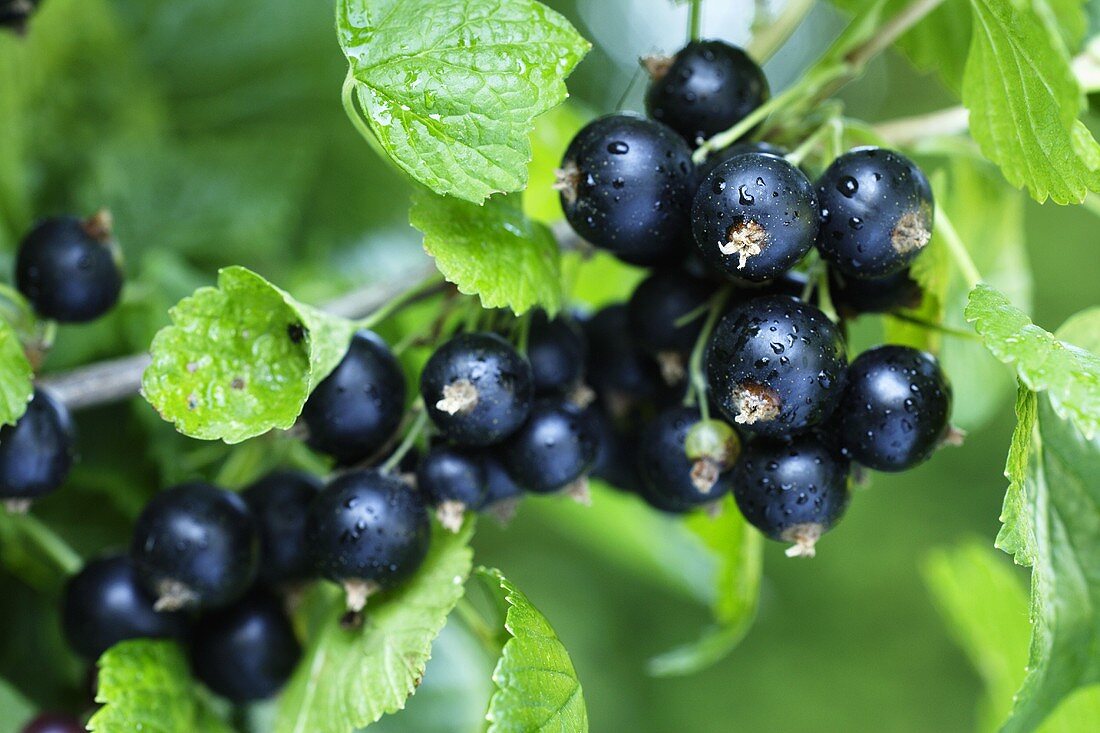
14 14
726 324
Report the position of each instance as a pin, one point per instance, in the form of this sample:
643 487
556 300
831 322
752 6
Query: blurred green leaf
537 687
17 709
491 251
241 359
350 678
15 376
145 685
450 88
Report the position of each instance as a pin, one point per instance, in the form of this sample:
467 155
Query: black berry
895 409
556 351
654 309
54 723
719 156
500 487
776 365
708 87
69 269
754 217
104 604
279 503
792 491
36 454
367 530
616 450
676 477
195 545
477 389
14 15
876 212
454 481
626 185
855 295
247 651
356 409
617 368
554 448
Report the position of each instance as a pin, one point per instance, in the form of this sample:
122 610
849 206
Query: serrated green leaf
16 375
233 366
350 678
145 685
1069 374
491 251
450 88
1024 101
17 709
537 687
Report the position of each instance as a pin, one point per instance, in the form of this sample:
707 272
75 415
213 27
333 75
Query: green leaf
492 251
450 88
145 685
350 678
17 709
16 387
1070 375
1024 101
537 687
241 358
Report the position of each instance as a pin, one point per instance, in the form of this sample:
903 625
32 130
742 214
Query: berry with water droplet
37 453
684 461
554 448
279 503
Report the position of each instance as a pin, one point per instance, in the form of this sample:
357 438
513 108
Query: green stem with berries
697 389
420 422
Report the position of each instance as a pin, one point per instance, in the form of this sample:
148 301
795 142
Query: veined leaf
16 374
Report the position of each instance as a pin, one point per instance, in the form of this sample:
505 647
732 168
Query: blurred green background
214 132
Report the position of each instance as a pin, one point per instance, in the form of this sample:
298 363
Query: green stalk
697 394
417 427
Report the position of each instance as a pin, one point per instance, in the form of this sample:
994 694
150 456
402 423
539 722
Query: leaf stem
958 249
417 427
935 327
697 391
772 37
426 288
830 128
351 107
478 626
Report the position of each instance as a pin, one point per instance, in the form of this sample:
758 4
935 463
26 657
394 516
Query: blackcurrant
356 409
792 490
616 450
500 488
855 295
556 351
895 409
36 454
617 368
477 389
553 449
367 530
708 87
69 268
195 545
676 473
104 604
754 217
246 651
453 480
719 156
776 365
876 212
279 503
626 185
54 723
653 313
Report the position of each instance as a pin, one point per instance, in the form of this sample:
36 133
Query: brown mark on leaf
746 238
237 383
192 401
296 333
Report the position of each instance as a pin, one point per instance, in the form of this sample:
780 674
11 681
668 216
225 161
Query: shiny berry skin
776 366
37 453
895 409
673 481
754 217
617 368
370 527
556 350
357 408
279 503
792 491
708 87
104 604
247 651
876 212
477 389
626 185
499 484
719 156
195 546
658 302
53 722
450 474
616 451
554 448
854 295
69 269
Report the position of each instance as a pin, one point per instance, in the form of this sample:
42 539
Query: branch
891 31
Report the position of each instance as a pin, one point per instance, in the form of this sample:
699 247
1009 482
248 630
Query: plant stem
958 249
351 107
695 20
828 129
772 37
936 327
890 31
51 545
430 286
478 626
907 130
697 392
417 427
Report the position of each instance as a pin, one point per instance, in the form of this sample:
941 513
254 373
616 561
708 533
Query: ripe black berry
500 487
246 651
792 491
554 448
708 87
279 503
855 295
367 530
54 723
626 185
719 156
14 15
477 389
453 480
654 308
356 409
876 212
556 351
895 409
616 450
69 269
104 604
676 475
754 217
37 452
617 369
776 365
195 545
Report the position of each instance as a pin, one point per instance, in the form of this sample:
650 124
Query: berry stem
413 434
695 20
958 249
37 534
697 393
772 36
935 327
830 128
890 31
430 286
